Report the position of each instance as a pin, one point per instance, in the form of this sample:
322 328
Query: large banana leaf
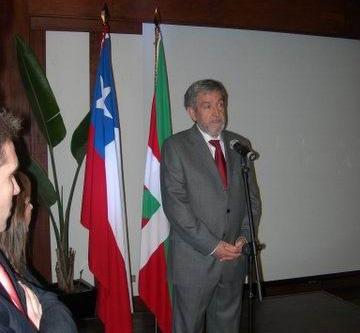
79 139
40 95
45 188
50 122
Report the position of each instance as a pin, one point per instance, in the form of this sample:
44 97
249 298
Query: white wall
67 66
296 97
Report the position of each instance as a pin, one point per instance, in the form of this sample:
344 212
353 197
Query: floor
335 310
312 312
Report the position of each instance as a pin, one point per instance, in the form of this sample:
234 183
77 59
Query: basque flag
103 206
154 288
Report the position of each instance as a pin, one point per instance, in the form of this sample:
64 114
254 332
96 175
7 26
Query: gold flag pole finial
105 15
157 18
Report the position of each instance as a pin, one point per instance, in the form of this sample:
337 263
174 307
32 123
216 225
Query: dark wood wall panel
37 145
318 17
14 19
353 15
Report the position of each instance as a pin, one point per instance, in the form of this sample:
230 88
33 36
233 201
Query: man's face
210 113
8 185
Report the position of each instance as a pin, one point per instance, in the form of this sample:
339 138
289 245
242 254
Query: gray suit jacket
200 211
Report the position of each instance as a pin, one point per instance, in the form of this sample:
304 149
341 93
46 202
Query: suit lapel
13 279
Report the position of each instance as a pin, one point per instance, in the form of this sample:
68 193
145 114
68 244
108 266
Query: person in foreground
13 240
204 201
24 308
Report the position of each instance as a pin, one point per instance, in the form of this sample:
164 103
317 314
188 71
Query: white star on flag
100 103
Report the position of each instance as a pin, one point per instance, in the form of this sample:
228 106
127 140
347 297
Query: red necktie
220 161
9 287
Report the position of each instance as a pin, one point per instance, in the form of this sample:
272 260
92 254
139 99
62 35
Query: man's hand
226 251
34 309
240 242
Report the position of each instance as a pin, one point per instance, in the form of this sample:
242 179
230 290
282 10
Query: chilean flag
103 207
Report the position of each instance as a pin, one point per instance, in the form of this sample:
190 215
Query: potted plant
48 117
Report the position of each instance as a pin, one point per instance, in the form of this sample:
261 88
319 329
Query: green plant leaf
79 139
45 188
40 95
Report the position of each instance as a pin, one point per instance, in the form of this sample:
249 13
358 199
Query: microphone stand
252 246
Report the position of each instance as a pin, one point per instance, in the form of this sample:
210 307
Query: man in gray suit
204 201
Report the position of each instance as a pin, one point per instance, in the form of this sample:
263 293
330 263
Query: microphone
243 150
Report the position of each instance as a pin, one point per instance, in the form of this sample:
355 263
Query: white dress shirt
207 138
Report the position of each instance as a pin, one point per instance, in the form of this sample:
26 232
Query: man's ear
191 112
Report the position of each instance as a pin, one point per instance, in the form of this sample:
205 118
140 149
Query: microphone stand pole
252 255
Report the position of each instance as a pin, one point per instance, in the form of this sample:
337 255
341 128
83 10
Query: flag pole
157 36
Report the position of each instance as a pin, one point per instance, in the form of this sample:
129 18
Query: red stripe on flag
153 137
144 222
113 299
154 289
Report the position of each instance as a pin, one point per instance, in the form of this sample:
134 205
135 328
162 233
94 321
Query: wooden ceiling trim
83 24
337 18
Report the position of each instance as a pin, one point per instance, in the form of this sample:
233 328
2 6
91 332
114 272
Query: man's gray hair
10 127
203 86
